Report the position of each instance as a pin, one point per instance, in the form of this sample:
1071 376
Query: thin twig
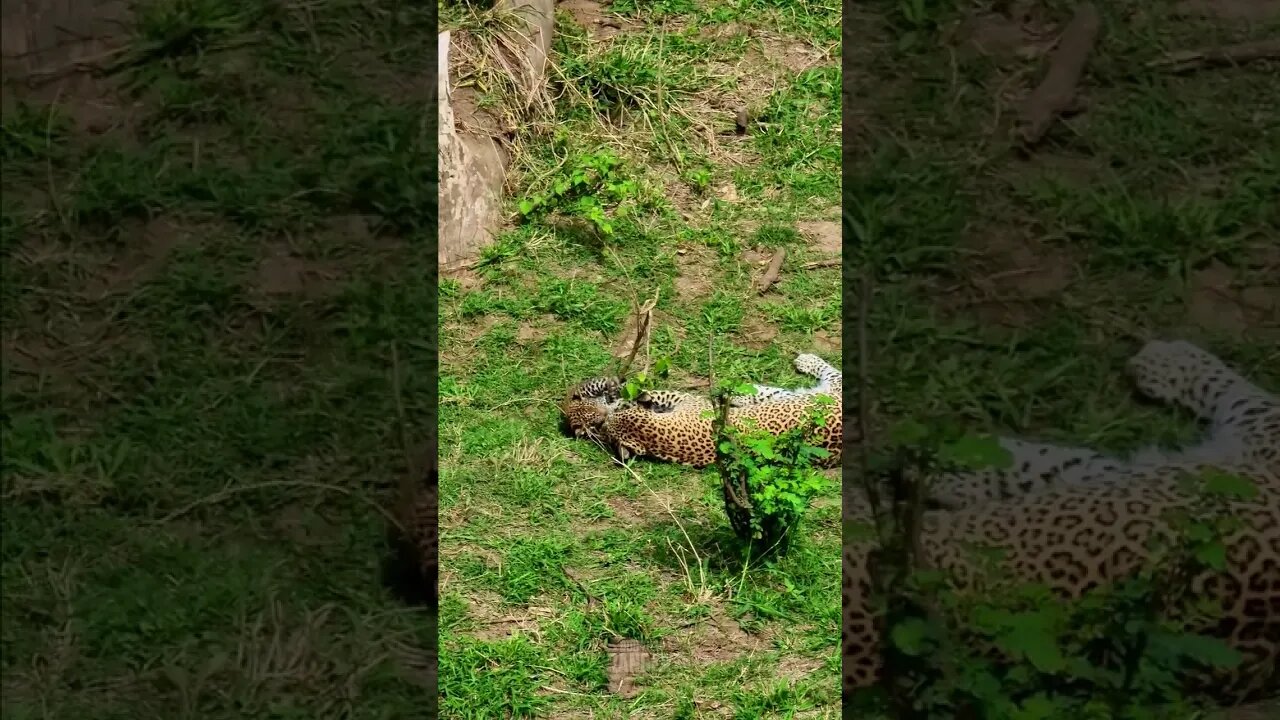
643 315
833 262
48 165
1223 56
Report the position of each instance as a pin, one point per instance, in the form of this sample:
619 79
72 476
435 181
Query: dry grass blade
489 50
1223 56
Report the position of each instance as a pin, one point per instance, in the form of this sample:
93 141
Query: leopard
677 426
1075 519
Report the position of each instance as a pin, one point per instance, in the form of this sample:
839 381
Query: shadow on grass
715 543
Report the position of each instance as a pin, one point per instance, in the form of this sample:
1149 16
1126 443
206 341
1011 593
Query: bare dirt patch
756 333
1009 262
282 272
721 639
824 236
757 257
824 341
592 17
1010 273
47 51
798 668
791 54
1217 299
627 510
143 259
696 274
1007 38
46 42
467 279
490 626
530 333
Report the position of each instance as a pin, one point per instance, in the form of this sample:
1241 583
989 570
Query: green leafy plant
768 480
642 381
591 187
699 179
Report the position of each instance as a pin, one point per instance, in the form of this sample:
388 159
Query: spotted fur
1075 519
677 426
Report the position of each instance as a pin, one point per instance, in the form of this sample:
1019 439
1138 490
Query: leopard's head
587 405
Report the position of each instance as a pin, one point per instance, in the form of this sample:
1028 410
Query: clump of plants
768 480
591 187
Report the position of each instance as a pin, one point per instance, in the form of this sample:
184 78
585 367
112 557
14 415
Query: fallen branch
1056 94
833 262
771 273
1223 56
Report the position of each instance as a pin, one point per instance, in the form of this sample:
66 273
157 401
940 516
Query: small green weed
592 188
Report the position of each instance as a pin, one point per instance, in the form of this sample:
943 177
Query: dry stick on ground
1226 55
833 262
771 273
643 314
643 317
1056 94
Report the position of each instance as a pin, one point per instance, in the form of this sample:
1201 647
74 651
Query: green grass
201 297
1000 273
550 550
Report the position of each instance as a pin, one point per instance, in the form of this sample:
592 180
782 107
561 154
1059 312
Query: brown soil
825 342
718 640
284 273
592 17
696 273
627 659
756 333
1219 299
824 236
